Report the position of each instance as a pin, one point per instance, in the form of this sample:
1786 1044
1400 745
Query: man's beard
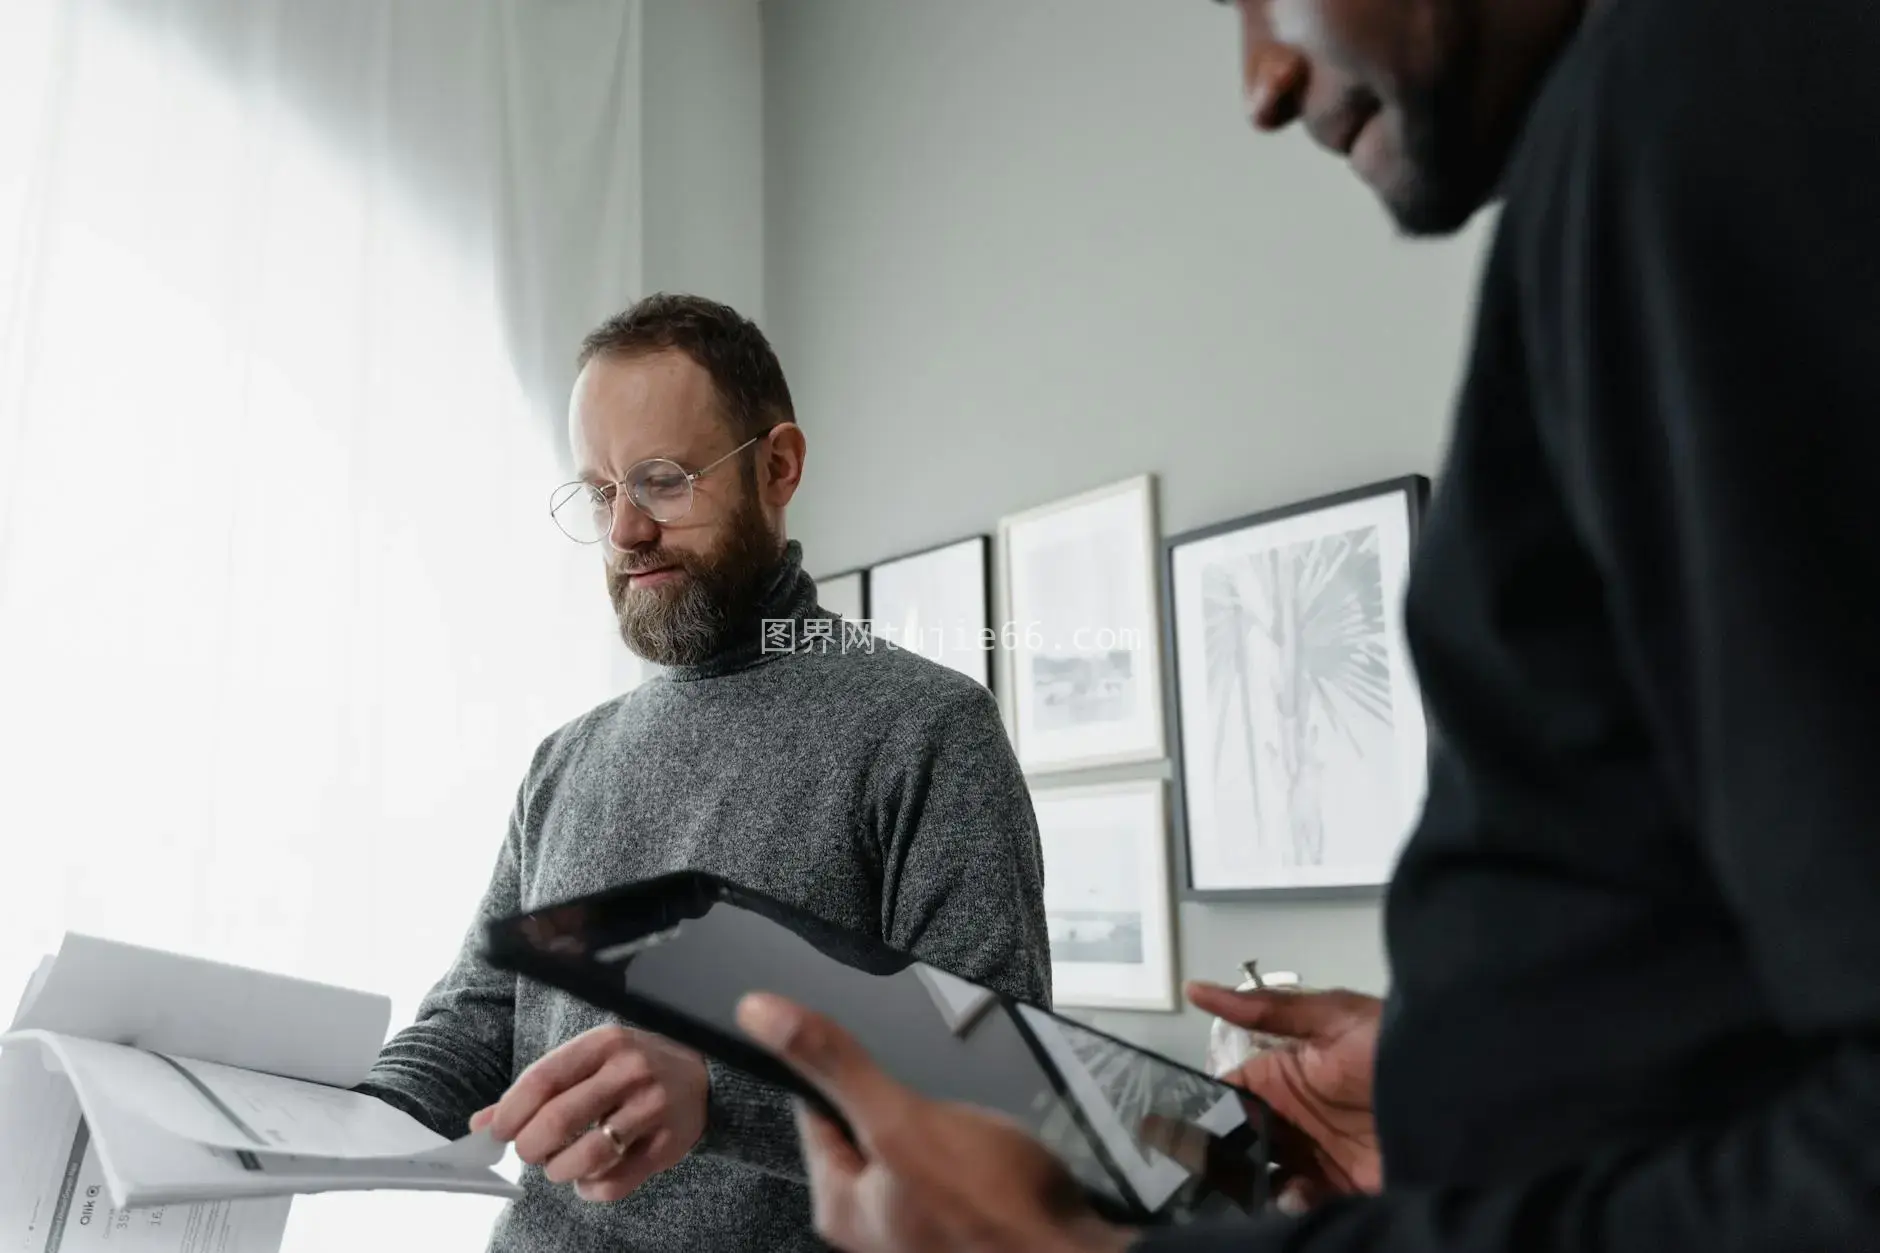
703 613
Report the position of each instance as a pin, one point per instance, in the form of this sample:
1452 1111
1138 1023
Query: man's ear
780 464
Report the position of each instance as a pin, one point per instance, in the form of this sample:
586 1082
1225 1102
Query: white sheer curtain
286 295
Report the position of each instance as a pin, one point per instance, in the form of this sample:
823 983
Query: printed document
168 1104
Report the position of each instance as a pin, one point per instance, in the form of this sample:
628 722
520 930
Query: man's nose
1273 74
631 527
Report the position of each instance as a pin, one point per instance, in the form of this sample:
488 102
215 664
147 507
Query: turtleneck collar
791 596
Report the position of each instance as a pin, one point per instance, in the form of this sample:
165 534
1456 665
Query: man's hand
606 1111
921 1176
1318 1082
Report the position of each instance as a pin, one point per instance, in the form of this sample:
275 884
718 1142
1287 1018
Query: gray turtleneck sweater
874 788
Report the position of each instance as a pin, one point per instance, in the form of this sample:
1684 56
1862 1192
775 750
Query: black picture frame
1415 490
986 581
856 572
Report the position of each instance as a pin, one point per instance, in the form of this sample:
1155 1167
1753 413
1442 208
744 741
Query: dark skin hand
927 1177
921 1176
1318 1082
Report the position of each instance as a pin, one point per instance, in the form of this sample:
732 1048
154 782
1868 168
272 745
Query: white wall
702 150
1018 248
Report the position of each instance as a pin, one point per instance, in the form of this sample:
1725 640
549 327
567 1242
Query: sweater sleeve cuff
751 1122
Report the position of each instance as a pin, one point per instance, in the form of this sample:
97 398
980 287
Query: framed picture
938 603
1302 755
1084 633
845 594
1106 895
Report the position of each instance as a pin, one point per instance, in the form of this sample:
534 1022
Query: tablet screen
1104 1107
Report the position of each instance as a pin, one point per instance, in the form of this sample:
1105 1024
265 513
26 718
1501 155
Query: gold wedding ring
613 1138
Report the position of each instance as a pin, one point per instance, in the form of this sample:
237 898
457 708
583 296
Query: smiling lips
1337 129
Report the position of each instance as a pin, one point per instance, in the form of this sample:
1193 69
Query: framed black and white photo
1107 901
1302 751
938 603
845 594
1084 632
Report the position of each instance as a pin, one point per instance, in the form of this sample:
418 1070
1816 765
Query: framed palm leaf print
1302 750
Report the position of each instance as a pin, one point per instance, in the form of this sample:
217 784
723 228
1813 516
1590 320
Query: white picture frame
938 603
1084 630
845 594
1108 903
1302 750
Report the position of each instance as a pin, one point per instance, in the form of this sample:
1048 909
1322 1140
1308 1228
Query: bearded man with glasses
864 783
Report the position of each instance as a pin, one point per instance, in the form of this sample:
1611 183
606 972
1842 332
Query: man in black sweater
1636 937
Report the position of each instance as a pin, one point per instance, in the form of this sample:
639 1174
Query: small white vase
1230 1046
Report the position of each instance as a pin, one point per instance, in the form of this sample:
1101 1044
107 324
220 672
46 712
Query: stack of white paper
170 1104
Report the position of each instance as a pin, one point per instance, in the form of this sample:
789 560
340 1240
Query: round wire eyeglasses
658 487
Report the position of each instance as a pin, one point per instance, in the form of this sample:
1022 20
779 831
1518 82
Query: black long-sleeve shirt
1636 938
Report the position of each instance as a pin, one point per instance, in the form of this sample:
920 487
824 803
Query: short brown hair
726 345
